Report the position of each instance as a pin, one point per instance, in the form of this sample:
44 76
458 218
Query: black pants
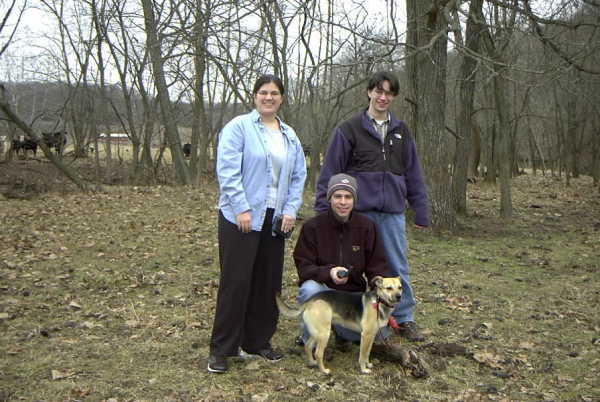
251 274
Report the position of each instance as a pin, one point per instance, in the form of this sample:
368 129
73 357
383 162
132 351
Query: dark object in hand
277 228
342 274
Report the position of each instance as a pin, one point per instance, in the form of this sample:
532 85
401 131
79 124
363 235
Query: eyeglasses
381 92
274 94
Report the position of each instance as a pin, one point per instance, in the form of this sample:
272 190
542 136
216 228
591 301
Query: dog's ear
376 282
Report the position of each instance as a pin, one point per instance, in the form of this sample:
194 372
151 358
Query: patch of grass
112 296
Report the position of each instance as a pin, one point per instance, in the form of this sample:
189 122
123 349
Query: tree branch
563 55
5 107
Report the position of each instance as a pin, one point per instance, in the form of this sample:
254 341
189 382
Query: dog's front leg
366 342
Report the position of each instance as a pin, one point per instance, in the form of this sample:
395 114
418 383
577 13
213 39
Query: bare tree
496 50
10 11
426 67
9 23
14 118
71 51
199 20
464 124
200 58
114 21
170 124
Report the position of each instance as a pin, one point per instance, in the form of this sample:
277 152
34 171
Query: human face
342 203
268 99
380 100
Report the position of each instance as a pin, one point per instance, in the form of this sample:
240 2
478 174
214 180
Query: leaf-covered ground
110 296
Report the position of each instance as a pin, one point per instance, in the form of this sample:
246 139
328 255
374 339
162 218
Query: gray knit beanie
341 181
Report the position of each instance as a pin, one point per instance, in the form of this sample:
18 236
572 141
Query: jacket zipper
341 264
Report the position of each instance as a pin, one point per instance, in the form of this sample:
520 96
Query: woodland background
488 87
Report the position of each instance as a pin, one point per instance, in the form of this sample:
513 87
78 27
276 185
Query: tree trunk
475 156
571 138
491 167
170 123
504 144
595 164
501 99
427 77
464 124
147 131
539 161
200 131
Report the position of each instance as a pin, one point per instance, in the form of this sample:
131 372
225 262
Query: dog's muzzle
385 303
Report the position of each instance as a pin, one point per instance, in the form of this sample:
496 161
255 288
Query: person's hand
287 223
244 222
334 275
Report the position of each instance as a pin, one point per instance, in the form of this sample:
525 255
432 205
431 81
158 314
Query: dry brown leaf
526 345
489 359
14 350
89 325
81 392
132 323
461 303
61 374
75 305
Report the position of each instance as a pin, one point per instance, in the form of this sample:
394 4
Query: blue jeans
392 228
310 288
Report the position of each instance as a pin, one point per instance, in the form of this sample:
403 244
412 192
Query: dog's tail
285 309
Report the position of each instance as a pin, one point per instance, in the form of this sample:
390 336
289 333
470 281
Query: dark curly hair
265 79
378 78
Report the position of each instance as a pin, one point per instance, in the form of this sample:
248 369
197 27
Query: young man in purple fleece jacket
379 151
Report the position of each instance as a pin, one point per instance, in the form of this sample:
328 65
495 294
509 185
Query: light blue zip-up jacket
244 170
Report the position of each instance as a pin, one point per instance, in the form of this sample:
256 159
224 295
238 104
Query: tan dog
364 313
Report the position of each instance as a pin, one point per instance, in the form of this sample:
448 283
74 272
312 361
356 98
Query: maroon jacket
325 243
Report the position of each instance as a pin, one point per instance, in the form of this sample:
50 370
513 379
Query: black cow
26 145
187 150
56 140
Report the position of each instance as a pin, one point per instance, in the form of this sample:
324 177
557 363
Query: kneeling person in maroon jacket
337 249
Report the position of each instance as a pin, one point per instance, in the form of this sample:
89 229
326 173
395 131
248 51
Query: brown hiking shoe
410 331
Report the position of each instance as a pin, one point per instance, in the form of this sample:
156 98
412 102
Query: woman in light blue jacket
261 171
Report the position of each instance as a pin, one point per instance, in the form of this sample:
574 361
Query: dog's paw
326 371
369 365
365 370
